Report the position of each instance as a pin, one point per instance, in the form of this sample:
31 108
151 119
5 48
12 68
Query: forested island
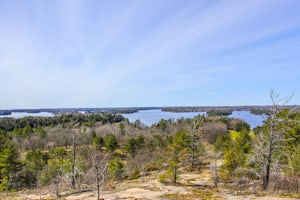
103 155
261 112
221 108
219 112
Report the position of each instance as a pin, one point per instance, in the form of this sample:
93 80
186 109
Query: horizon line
140 107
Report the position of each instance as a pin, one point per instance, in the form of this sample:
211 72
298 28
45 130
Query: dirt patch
191 186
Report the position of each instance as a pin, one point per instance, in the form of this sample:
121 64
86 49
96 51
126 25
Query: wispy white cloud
92 53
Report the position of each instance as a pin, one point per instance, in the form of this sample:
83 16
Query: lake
25 114
247 116
149 117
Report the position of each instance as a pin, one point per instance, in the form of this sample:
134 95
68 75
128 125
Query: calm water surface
25 114
247 116
149 117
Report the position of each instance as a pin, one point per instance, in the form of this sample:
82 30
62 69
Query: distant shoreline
128 110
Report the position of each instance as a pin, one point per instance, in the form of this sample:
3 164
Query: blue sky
148 53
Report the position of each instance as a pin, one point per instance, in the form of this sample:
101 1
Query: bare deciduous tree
100 163
268 140
73 159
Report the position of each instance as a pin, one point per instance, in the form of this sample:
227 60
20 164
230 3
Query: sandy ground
149 188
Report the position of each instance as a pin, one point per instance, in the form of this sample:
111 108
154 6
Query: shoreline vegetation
216 110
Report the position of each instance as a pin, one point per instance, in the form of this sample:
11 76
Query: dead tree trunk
269 158
73 161
99 162
274 135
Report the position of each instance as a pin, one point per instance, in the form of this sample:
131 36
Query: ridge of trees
9 124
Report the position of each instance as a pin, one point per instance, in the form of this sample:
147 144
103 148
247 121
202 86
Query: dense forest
83 152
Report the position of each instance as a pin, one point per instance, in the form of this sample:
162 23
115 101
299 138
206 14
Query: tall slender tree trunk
215 170
98 182
56 188
269 158
73 162
193 152
267 176
175 175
